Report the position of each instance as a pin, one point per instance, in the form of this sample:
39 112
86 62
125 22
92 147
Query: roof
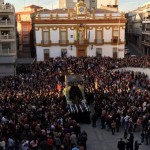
64 11
33 6
24 12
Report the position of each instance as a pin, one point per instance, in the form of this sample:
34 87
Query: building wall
25 34
87 35
89 3
8 51
6 70
106 2
55 51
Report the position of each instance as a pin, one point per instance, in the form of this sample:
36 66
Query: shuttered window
46 38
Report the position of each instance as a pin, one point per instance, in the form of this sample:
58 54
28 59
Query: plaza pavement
100 139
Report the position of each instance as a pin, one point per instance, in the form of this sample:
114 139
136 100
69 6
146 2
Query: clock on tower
81 7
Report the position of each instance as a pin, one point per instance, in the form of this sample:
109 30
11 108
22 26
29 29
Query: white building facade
79 33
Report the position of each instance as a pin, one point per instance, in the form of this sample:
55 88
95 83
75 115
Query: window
115 39
81 36
25 40
63 36
116 33
25 30
6 46
46 37
99 52
99 36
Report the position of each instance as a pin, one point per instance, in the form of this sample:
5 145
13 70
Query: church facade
79 32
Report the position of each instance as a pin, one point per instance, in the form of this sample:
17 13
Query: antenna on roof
24 2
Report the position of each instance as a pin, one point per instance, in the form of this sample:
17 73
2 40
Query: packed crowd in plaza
33 111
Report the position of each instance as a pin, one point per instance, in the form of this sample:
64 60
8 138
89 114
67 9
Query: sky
124 5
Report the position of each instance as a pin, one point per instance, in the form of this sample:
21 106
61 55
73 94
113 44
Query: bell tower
81 7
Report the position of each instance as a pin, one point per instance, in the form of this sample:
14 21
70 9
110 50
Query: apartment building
146 32
25 36
138 29
8 50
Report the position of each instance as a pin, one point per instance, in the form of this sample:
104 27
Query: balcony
146 42
146 20
45 42
7 38
7 8
146 31
99 41
4 52
63 42
115 41
82 42
6 23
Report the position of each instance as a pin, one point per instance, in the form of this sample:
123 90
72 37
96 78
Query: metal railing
82 42
6 22
99 41
7 52
115 41
7 36
45 42
63 41
6 7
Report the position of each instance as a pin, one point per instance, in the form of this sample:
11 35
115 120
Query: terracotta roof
33 6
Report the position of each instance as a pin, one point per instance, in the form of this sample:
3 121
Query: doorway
81 52
46 55
115 53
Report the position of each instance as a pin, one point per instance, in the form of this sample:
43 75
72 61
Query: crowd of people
33 111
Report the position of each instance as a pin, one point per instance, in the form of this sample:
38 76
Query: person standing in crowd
32 106
50 142
75 147
94 119
127 144
121 144
142 137
84 138
131 141
11 143
113 127
125 134
136 145
34 144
